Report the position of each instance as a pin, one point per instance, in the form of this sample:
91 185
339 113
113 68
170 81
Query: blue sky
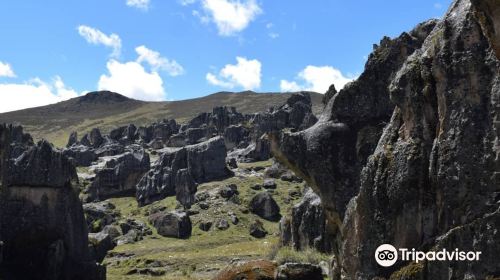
179 49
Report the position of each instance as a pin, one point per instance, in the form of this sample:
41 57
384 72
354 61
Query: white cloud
132 80
273 35
245 73
438 6
316 78
33 93
97 37
140 4
157 62
6 70
186 2
231 16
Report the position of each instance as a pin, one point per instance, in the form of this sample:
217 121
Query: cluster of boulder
408 154
42 225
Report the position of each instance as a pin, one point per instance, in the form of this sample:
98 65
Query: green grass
204 253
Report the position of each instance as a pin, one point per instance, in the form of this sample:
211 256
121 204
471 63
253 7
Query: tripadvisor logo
387 255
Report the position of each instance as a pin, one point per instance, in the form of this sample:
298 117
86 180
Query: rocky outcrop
42 226
306 227
264 205
162 131
179 170
428 181
172 224
80 155
119 175
295 114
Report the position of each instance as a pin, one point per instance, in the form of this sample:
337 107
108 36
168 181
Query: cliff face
431 179
42 226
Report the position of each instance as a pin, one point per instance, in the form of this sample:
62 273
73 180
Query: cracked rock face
413 160
42 226
180 170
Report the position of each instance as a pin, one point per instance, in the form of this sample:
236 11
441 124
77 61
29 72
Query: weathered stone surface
172 224
40 166
80 155
264 205
42 226
99 244
99 214
429 180
236 136
73 139
257 229
299 271
119 175
306 227
200 163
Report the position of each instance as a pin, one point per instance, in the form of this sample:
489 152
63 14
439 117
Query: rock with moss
172 224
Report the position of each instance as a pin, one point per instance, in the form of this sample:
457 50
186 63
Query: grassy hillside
107 110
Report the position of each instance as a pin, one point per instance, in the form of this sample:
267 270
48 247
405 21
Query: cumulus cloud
230 16
186 2
245 73
316 78
132 80
6 70
33 93
96 37
157 62
140 4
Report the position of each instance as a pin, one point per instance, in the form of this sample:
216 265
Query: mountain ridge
107 110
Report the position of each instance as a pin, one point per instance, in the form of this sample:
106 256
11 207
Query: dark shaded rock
264 205
119 176
40 166
205 225
201 163
228 191
185 188
235 136
260 150
307 226
299 271
256 187
113 231
329 94
257 229
232 163
73 139
99 214
42 225
109 150
96 138
429 180
80 155
222 224
172 224
275 171
203 205
99 244
161 131
269 184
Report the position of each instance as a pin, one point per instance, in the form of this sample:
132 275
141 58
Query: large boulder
199 163
264 205
42 226
172 224
119 175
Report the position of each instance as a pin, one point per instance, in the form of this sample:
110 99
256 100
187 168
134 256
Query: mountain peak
102 97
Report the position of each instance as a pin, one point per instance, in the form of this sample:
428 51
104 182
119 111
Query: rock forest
408 154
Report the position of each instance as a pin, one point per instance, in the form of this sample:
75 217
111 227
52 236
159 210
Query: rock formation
306 227
429 180
179 170
119 175
42 226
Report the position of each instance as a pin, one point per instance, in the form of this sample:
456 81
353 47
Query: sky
160 50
